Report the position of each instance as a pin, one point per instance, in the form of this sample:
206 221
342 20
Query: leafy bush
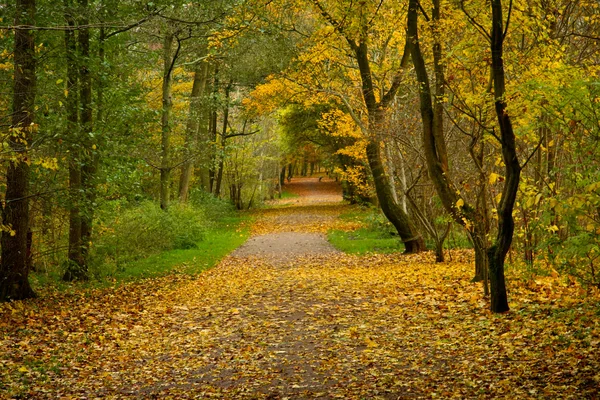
146 229
215 210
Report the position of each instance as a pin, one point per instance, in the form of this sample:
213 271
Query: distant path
295 227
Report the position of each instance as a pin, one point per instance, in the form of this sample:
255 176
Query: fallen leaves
303 218
342 325
321 326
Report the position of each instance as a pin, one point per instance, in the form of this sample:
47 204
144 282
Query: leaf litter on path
320 325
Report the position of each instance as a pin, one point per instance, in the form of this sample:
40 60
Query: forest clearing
277 320
300 199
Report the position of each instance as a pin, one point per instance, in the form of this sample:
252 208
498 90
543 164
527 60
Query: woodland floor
287 316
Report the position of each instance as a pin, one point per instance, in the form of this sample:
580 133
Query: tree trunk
74 255
281 179
413 242
193 124
497 252
203 140
213 131
219 178
14 282
390 173
165 167
432 128
85 161
89 166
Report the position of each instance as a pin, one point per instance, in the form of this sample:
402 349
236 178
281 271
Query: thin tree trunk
165 167
223 141
193 124
213 131
14 282
497 252
391 175
413 242
203 139
74 255
435 147
87 161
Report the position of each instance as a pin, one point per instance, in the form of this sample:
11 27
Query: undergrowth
139 240
378 235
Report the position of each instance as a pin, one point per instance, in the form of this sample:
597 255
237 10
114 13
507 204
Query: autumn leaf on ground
305 325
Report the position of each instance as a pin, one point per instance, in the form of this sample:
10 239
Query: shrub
145 229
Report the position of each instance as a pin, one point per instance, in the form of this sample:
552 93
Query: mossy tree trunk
14 271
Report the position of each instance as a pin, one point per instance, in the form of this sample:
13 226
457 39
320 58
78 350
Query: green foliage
146 229
219 240
140 240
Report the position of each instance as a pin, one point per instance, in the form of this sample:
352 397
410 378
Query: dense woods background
123 123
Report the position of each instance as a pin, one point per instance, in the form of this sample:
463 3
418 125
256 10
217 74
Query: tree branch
476 24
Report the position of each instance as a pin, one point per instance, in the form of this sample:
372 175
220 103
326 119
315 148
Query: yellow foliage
50 163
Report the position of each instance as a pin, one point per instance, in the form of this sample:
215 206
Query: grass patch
142 241
377 235
288 195
218 242
364 241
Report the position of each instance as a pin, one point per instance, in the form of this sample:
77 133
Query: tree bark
89 164
193 124
203 139
413 242
82 168
219 178
375 111
74 254
434 144
213 131
14 282
165 167
497 252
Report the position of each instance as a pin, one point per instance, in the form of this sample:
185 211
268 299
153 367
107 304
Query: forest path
288 317
296 227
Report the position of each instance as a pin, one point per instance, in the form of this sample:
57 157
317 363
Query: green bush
216 210
146 229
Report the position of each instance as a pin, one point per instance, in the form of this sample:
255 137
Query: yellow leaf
553 228
590 228
493 178
23 369
460 203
